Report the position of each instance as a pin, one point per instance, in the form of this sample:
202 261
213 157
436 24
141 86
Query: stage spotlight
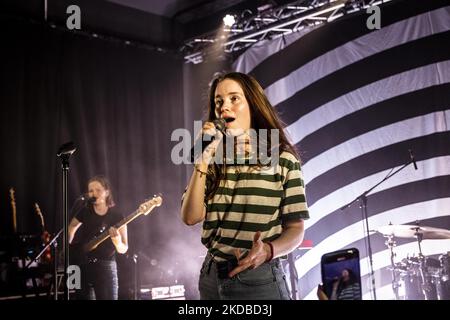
228 20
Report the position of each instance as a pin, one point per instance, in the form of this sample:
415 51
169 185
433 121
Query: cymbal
411 231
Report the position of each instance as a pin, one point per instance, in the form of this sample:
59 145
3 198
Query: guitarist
98 268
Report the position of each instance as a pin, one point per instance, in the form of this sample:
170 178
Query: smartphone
341 275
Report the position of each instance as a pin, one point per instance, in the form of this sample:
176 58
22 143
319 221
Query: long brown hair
105 184
263 116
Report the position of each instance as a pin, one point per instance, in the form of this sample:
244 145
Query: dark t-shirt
92 226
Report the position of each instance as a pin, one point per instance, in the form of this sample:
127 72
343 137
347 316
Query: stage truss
269 23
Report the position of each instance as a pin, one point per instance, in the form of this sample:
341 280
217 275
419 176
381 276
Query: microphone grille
220 124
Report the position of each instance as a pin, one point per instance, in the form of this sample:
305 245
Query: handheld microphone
413 160
203 142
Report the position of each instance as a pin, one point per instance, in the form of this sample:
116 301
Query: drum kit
418 277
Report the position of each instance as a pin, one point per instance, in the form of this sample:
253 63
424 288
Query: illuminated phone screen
341 275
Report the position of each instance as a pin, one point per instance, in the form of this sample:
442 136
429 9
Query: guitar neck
128 219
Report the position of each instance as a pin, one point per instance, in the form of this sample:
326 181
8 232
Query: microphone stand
362 199
64 153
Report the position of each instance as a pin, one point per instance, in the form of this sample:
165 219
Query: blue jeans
99 281
267 282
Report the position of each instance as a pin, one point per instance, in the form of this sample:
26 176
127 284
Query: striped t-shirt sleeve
293 206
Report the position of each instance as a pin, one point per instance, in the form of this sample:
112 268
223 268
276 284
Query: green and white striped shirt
252 199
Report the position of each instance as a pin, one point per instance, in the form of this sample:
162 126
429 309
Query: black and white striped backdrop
354 101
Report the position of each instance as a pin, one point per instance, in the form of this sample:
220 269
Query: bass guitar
144 209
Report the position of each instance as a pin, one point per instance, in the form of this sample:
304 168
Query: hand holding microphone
208 141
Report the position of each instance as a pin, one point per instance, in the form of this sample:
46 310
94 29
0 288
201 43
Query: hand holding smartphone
341 276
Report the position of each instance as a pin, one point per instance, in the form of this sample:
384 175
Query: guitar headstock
11 194
39 213
38 209
147 206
